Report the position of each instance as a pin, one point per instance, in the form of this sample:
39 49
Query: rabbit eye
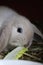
19 30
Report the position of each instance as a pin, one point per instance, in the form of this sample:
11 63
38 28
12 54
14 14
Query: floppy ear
36 30
5 34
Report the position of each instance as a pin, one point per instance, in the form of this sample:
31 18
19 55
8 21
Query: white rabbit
15 29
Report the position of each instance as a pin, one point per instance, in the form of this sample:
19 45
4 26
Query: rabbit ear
4 37
36 30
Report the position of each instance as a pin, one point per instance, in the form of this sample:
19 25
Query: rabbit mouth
16 43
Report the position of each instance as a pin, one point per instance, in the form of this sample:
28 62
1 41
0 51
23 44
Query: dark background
32 9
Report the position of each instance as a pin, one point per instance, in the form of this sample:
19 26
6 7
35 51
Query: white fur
16 38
